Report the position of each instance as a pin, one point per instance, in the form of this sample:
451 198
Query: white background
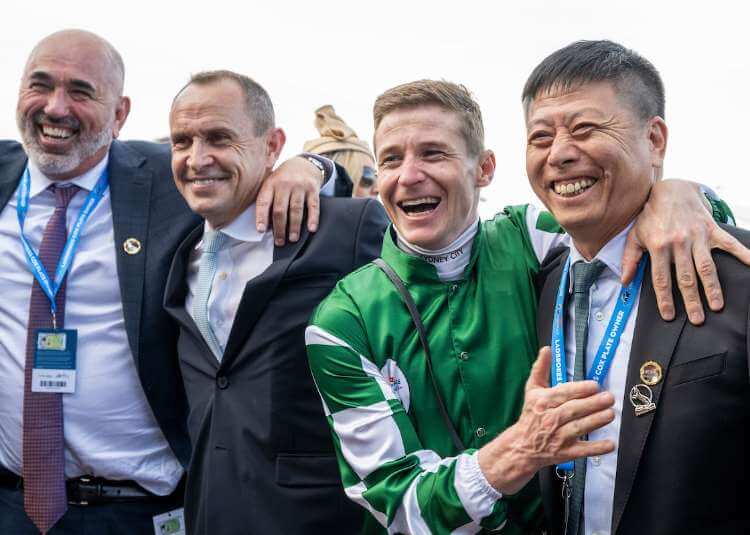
347 52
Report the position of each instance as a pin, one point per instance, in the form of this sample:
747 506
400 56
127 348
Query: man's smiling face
591 160
69 104
428 181
218 161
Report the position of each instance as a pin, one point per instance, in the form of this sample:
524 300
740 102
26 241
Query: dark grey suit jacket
145 206
263 461
682 469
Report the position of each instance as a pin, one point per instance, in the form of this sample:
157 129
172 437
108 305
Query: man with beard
92 407
422 359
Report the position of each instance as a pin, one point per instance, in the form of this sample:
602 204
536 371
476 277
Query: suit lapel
176 292
653 339
13 165
257 293
130 193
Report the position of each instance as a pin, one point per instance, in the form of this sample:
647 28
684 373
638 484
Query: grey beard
56 164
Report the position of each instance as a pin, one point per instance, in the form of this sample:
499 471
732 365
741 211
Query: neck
590 245
450 261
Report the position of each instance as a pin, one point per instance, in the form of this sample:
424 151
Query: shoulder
347 217
159 152
351 294
11 149
349 208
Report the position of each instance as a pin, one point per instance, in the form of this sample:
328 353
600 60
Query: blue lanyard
50 287
610 341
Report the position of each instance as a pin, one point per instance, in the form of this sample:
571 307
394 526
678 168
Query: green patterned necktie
584 275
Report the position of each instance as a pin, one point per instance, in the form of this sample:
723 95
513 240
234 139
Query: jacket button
464 355
481 432
222 382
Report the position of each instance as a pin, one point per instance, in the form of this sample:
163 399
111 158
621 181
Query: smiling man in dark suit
596 144
263 460
111 450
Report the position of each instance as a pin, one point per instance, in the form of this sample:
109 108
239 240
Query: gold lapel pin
651 373
132 246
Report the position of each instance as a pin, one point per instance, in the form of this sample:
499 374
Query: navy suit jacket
146 206
263 459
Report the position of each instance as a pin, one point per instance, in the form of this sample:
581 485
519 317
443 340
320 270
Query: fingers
296 211
539 376
263 206
584 425
721 239
586 448
280 211
555 397
708 275
313 210
661 278
687 282
630 257
577 410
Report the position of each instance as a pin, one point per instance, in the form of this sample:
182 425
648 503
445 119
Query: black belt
89 490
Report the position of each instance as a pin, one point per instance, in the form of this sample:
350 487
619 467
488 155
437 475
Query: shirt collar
39 181
610 254
242 228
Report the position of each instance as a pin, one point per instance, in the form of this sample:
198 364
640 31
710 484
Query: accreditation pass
54 369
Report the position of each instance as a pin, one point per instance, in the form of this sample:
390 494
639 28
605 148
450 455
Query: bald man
92 408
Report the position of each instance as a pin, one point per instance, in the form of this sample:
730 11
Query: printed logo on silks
397 381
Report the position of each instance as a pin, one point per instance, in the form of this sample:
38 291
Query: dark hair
257 100
447 95
585 62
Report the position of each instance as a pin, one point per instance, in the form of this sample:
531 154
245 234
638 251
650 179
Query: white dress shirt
109 428
601 471
246 254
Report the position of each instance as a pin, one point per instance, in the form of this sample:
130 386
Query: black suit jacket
263 461
145 206
682 469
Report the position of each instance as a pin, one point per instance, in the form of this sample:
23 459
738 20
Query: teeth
578 186
204 181
56 132
421 200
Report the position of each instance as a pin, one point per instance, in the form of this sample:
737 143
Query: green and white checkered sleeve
543 232
383 465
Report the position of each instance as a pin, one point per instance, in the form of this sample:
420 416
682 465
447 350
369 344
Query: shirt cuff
329 169
477 496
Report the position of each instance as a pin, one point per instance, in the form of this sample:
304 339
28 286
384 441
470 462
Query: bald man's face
69 108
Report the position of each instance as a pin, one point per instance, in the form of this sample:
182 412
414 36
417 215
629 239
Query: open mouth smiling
419 206
572 187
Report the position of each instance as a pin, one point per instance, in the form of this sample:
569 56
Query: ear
275 140
121 114
486 168
657 137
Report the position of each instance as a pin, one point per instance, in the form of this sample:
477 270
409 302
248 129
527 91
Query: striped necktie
43 454
213 241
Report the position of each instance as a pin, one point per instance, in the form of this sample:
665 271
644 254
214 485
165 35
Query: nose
199 156
411 172
57 105
563 151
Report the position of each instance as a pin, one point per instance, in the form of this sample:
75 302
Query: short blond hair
452 97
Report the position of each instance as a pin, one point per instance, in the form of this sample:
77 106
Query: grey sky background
308 54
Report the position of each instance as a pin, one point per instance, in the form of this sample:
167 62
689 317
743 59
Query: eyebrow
572 116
